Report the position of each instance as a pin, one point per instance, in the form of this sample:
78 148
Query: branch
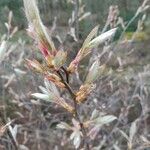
76 109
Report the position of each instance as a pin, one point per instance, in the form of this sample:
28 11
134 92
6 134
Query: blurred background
123 90
51 9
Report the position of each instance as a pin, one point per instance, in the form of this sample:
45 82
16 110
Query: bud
49 61
73 65
43 49
83 92
65 105
59 59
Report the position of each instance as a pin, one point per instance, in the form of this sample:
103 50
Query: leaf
75 123
144 139
51 87
19 71
34 64
116 147
33 16
13 131
93 72
3 48
132 131
60 101
94 131
77 140
90 36
76 137
43 89
41 96
124 134
45 97
102 38
23 147
85 50
64 125
105 119
85 15
94 115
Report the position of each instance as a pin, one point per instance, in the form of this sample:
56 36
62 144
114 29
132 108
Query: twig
85 142
66 73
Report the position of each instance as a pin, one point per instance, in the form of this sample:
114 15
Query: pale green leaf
64 125
76 137
42 96
51 87
95 114
102 38
132 131
102 120
93 72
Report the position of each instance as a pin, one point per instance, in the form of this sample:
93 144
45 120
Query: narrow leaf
93 72
2 50
133 130
90 37
102 38
105 119
64 125
41 96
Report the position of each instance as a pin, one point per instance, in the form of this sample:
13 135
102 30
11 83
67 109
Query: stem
66 73
83 130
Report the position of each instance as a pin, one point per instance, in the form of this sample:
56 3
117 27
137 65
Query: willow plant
57 75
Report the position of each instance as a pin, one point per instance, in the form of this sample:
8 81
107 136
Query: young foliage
57 74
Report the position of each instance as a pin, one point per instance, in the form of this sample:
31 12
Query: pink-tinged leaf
41 34
75 123
35 65
43 49
74 64
93 132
